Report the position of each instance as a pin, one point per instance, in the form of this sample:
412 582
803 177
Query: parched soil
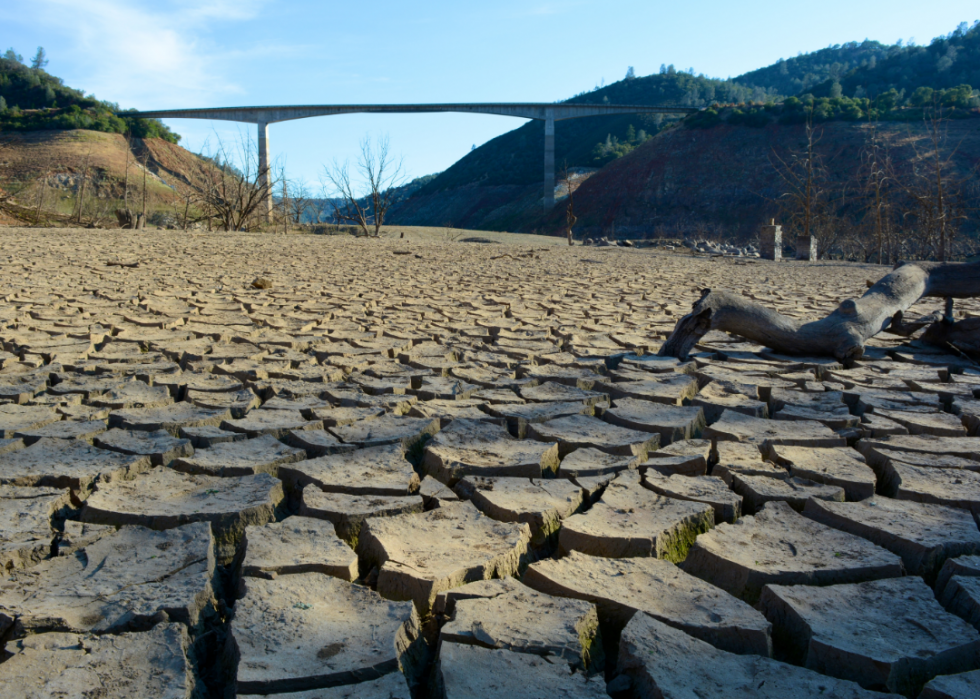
417 466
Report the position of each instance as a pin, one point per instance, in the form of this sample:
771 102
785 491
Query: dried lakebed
455 473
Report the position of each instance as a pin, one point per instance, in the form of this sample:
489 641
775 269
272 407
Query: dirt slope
723 178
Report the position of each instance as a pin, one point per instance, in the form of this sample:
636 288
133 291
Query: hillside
496 184
32 99
800 73
721 182
51 165
947 62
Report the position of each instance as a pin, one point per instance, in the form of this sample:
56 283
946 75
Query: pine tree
40 59
3 105
631 134
630 73
12 55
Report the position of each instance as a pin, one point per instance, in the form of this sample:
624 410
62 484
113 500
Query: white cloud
145 58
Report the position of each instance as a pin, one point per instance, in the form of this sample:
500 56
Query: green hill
947 62
31 99
798 75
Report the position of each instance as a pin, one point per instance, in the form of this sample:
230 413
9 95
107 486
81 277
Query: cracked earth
421 469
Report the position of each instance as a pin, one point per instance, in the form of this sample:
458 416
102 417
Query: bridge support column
549 159
264 179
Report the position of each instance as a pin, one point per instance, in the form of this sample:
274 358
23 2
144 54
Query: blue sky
211 53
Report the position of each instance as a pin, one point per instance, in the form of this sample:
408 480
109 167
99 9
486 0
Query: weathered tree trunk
843 333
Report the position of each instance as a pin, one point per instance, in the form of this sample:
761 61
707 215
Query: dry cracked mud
461 473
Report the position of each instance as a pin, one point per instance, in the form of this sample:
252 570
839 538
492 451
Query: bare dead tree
804 177
932 188
875 162
380 173
300 201
570 217
80 198
236 191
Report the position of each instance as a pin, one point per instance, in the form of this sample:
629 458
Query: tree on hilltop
40 59
12 55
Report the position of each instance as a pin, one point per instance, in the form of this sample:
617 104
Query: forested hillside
31 99
947 62
799 74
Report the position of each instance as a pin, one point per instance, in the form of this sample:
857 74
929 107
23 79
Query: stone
390 686
447 410
939 486
843 468
472 672
68 463
504 614
477 448
736 427
661 661
962 566
162 447
671 422
707 489
348 512
756 491
878 457
520 416
238 402
550 391
593 462
923 535
123 581
435 494
26 527
390 429
961 596
963 447
309 630
934 423
134 394
153 663
687 457
736 458
882 634
16 418
204 437
630 520
373 471
163 499
582 431
339 417
297 545
720 396
541 504
274 423
318 443
965 685
78 535
667 389
778 546
170 418
263 454
421 555
621 587
83 431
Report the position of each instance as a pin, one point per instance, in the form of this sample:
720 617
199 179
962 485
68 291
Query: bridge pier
549 159
264 181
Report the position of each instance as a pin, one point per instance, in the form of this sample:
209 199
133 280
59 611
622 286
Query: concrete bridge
547 112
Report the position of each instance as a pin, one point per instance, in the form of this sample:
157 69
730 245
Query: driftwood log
843 333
